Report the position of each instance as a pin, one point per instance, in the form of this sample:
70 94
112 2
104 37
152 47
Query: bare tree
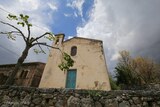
147 69
136 71
30 42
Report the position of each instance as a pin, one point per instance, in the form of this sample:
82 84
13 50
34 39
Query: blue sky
68 17
132 25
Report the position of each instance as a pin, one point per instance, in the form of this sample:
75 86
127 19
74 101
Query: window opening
24 74
57 41
73 51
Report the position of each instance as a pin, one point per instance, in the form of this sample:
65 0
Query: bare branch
40 47
47 33
16 29
9 32
44 44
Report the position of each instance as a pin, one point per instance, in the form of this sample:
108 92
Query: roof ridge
83 38
26 63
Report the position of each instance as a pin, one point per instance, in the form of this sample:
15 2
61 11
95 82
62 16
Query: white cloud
53 6
124 25
74 15
115 57
30 4
41 15
76 4
67 15
69 37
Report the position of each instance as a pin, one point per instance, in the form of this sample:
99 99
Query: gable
79 40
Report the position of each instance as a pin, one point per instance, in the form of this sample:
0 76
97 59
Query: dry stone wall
36 97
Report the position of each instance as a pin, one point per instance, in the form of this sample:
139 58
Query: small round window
73 50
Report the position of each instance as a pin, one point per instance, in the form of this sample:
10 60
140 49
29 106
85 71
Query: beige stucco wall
89 62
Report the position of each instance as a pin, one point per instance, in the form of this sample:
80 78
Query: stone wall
36 97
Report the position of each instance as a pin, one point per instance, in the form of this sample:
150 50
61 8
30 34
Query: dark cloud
132 25
7 57
8 52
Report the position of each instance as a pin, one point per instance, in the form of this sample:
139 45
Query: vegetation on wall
113 84
30 41
136 71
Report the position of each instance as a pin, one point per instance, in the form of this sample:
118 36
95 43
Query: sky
132 25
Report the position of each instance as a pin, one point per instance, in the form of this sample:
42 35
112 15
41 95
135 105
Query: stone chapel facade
89 70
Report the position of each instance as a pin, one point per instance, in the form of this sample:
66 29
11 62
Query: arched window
56 41
73 50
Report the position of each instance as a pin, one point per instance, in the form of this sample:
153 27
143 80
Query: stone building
29 74
89 70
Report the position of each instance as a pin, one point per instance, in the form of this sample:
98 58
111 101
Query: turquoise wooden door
71 79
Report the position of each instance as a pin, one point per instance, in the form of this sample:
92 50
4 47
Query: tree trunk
20 61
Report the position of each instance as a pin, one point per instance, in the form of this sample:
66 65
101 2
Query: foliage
37 51
113 84
23 21
68 62
147 70
135 71
94 93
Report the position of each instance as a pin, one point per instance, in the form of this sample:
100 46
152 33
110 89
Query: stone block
37 100
124 104
87 102
136 100
73 102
